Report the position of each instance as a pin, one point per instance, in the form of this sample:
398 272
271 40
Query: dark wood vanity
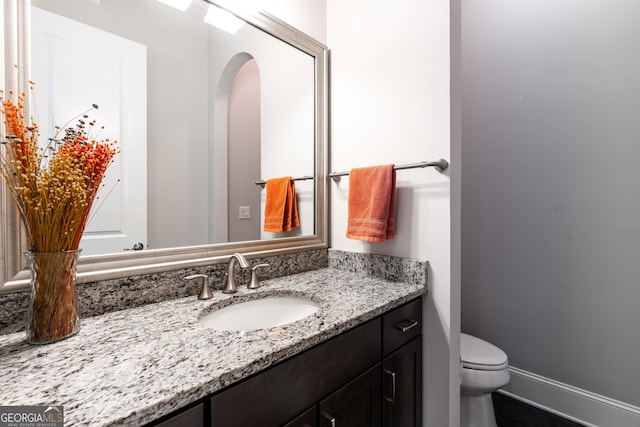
368 376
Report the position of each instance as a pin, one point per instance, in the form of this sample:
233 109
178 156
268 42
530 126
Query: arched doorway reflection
243 139
235 153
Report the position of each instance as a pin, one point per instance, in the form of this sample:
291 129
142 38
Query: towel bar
300 178
440 165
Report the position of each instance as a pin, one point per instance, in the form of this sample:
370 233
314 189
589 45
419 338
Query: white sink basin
260 313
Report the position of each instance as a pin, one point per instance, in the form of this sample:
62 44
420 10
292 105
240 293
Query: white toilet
484 370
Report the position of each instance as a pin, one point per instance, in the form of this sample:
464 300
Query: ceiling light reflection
178 4
222 19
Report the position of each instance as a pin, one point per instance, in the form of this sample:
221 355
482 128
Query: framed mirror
202 116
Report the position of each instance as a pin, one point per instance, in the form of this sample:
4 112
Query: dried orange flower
54 187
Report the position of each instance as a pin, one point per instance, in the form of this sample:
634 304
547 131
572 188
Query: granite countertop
132 366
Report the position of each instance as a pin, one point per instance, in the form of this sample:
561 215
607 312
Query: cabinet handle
329 418
406 324
391 399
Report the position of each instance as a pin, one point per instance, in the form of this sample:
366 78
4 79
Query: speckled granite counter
132 366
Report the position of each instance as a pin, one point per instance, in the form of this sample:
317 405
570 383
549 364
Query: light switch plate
244 212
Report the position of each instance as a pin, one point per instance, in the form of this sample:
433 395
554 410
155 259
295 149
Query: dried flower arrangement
54 188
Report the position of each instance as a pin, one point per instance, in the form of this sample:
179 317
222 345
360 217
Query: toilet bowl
484 370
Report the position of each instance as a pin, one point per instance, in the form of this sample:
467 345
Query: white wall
550 191
390 103
309 16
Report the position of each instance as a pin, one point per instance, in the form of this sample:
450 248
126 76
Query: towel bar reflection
440 165
300 178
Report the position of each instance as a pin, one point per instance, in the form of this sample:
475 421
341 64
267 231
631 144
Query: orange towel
281 207
372 203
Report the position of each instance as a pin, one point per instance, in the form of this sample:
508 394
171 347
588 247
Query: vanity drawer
401 325
277 395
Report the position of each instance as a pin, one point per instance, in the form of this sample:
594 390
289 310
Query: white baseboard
581 406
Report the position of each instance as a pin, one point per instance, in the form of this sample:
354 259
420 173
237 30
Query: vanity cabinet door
402 386
357 404
193 417
308 418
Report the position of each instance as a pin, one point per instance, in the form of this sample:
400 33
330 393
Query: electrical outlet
244 212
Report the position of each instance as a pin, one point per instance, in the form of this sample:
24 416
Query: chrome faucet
229 284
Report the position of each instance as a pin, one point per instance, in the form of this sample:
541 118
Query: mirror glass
202 117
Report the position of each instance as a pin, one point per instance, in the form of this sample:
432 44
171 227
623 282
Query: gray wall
551 205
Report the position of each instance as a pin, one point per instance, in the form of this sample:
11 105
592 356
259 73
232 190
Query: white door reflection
75 65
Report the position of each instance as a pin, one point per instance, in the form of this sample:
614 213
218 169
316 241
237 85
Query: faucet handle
205 291
254 283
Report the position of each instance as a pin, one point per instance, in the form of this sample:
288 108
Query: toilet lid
479 354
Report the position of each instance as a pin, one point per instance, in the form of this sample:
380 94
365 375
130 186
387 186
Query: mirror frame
15 27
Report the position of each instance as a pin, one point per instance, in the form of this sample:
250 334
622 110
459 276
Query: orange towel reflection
281 207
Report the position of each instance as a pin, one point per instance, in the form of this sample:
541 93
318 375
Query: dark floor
513 413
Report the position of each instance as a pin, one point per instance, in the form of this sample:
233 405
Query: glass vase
53 312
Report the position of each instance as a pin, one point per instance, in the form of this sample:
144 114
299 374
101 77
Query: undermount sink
259 313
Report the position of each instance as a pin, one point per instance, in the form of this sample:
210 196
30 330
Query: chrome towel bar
440 165
300 178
